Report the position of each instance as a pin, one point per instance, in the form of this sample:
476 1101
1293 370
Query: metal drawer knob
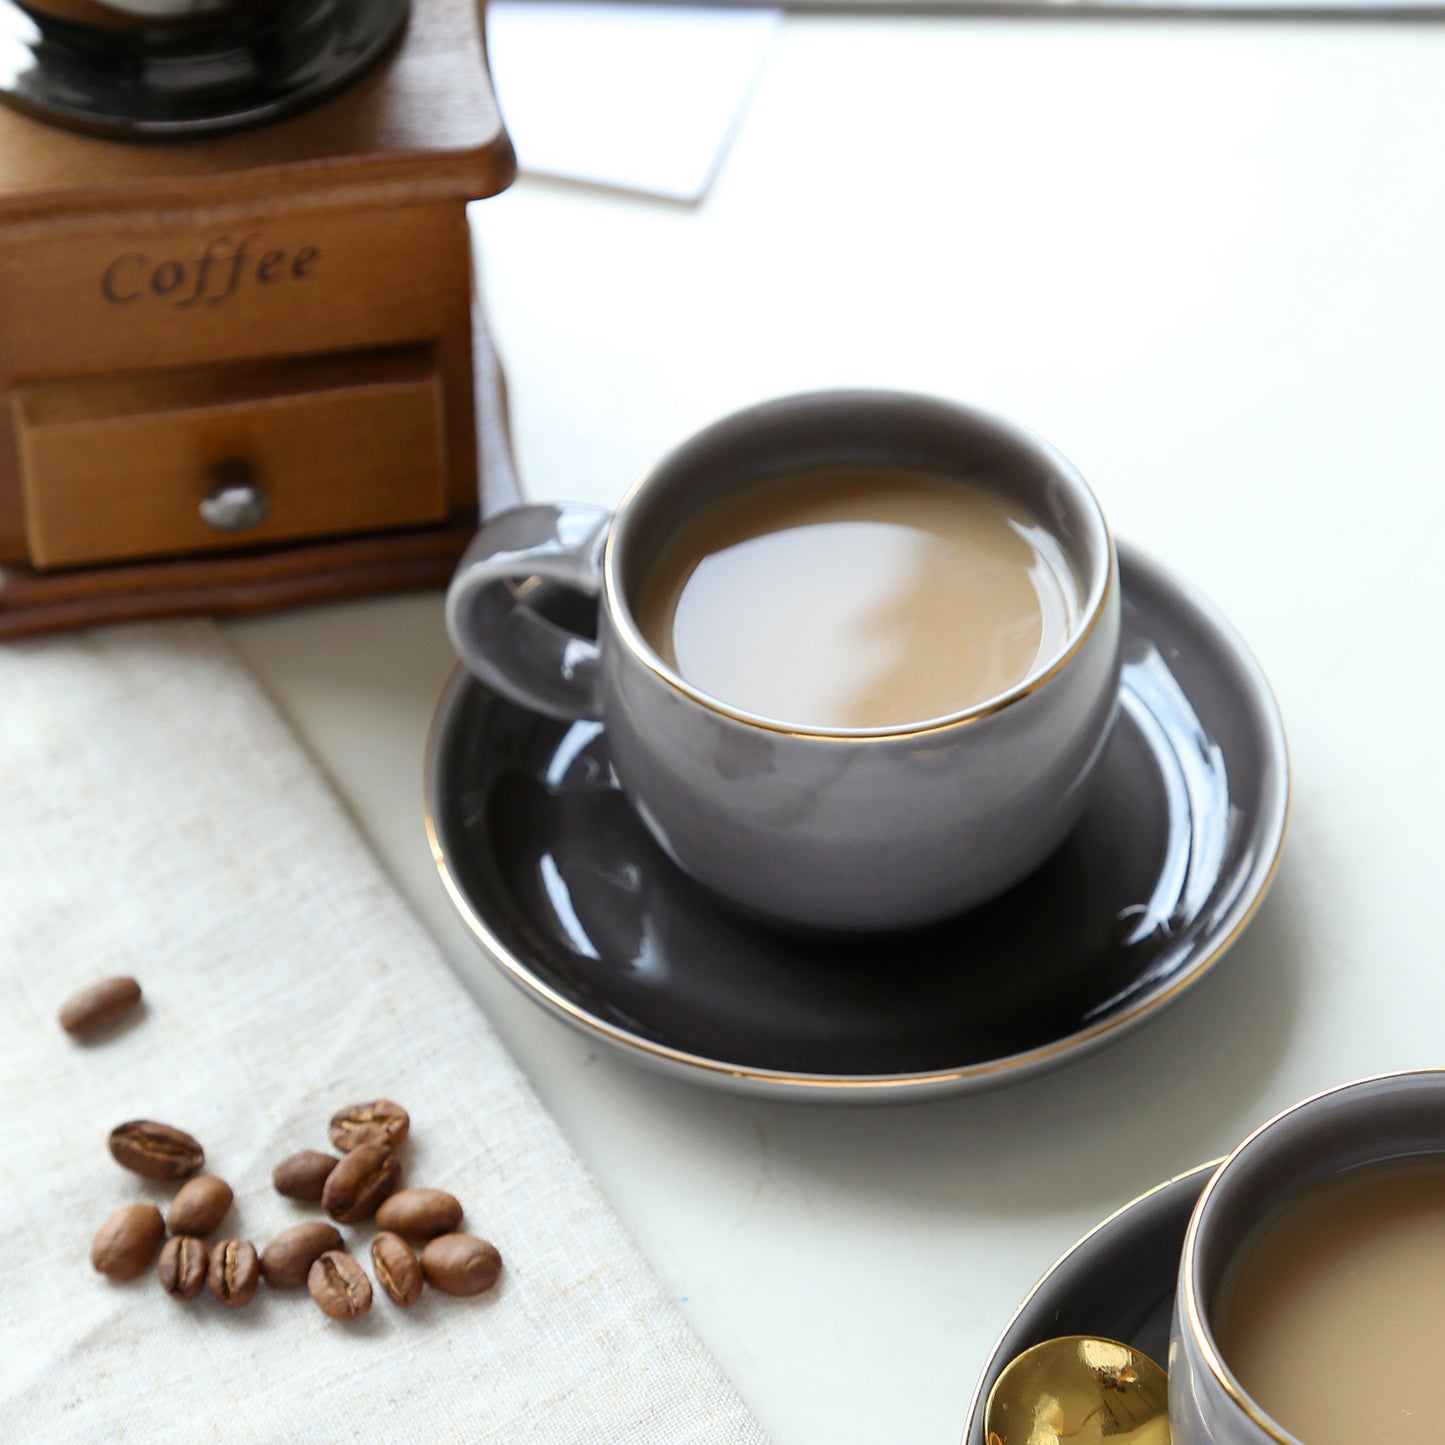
235 503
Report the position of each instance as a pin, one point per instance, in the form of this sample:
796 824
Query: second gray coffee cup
834 829
1383 1120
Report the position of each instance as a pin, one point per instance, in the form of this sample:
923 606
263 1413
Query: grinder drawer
166 462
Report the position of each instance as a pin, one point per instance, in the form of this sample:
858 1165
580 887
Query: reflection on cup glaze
1192 770
1201 817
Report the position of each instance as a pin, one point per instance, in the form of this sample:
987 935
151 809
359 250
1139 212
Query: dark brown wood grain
32 602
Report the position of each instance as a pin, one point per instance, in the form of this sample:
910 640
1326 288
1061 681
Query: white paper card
639 96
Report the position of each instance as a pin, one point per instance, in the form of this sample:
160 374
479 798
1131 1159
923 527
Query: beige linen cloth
158 818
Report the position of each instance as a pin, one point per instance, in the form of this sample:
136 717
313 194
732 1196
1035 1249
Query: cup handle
513 649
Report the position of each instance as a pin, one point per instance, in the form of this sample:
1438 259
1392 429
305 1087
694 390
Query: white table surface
1203 258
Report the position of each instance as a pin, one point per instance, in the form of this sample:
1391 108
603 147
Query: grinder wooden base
239 373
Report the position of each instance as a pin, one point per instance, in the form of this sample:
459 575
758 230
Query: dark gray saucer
1117 1282
547 864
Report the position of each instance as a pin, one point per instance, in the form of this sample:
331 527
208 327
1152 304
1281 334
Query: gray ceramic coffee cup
1369 1121
842 829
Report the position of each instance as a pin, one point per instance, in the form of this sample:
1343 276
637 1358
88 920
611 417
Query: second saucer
1117 1282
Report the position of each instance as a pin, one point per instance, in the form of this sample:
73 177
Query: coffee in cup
858 596
1353 1270
1312 1274
948 594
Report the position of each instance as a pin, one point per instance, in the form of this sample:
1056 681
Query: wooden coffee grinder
236 350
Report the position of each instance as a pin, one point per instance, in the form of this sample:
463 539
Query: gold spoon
1078 1390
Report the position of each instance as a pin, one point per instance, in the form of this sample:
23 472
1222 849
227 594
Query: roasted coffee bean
303 1175
235 1272
155 1151
199 1206
379 1122
360 1182
397 1269
182 1266
98 1004
421 1213
460 1264
127 1242
339 1285
287 1260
